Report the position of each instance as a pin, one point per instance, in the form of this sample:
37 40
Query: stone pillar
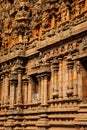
25 91
52 83
29 90
55 78
64 78
80 84
6 88
45 89
3 85
60 79
70 78
39 87
42 90
12 93
0 90
75 82
70 73
19 90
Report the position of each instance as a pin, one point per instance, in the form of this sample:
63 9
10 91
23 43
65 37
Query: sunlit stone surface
43 64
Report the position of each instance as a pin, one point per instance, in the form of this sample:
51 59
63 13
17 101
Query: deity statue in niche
45 20
64 11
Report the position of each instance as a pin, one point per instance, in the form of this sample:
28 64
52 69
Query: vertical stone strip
19 92
80 84
25 92
70 73
45 89
6 88
3 85
55 77
75 82
12 94
70 78
29 90
42 90
64 79
56 80
39 87
60 78
52 83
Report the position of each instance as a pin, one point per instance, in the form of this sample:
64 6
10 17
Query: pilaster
12 93
55 67
80 82
39 88
25 85
29 89
64 77
44 88
70 75
3 85
75 81
60 79
6 87
19 90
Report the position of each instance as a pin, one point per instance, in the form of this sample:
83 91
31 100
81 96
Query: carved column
6 88
45 88
29 90
42 90
55 78
65 77
80 84
25 91
12 93
75 82
1 90
52 83
60 79
19 90
3 85
70 74
39 87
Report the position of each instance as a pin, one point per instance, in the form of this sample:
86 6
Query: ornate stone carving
43 64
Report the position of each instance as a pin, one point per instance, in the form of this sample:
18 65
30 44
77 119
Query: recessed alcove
84 79
11 1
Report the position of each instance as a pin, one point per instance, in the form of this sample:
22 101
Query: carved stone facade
43 64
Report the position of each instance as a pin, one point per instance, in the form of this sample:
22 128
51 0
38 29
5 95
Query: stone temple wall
43 65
